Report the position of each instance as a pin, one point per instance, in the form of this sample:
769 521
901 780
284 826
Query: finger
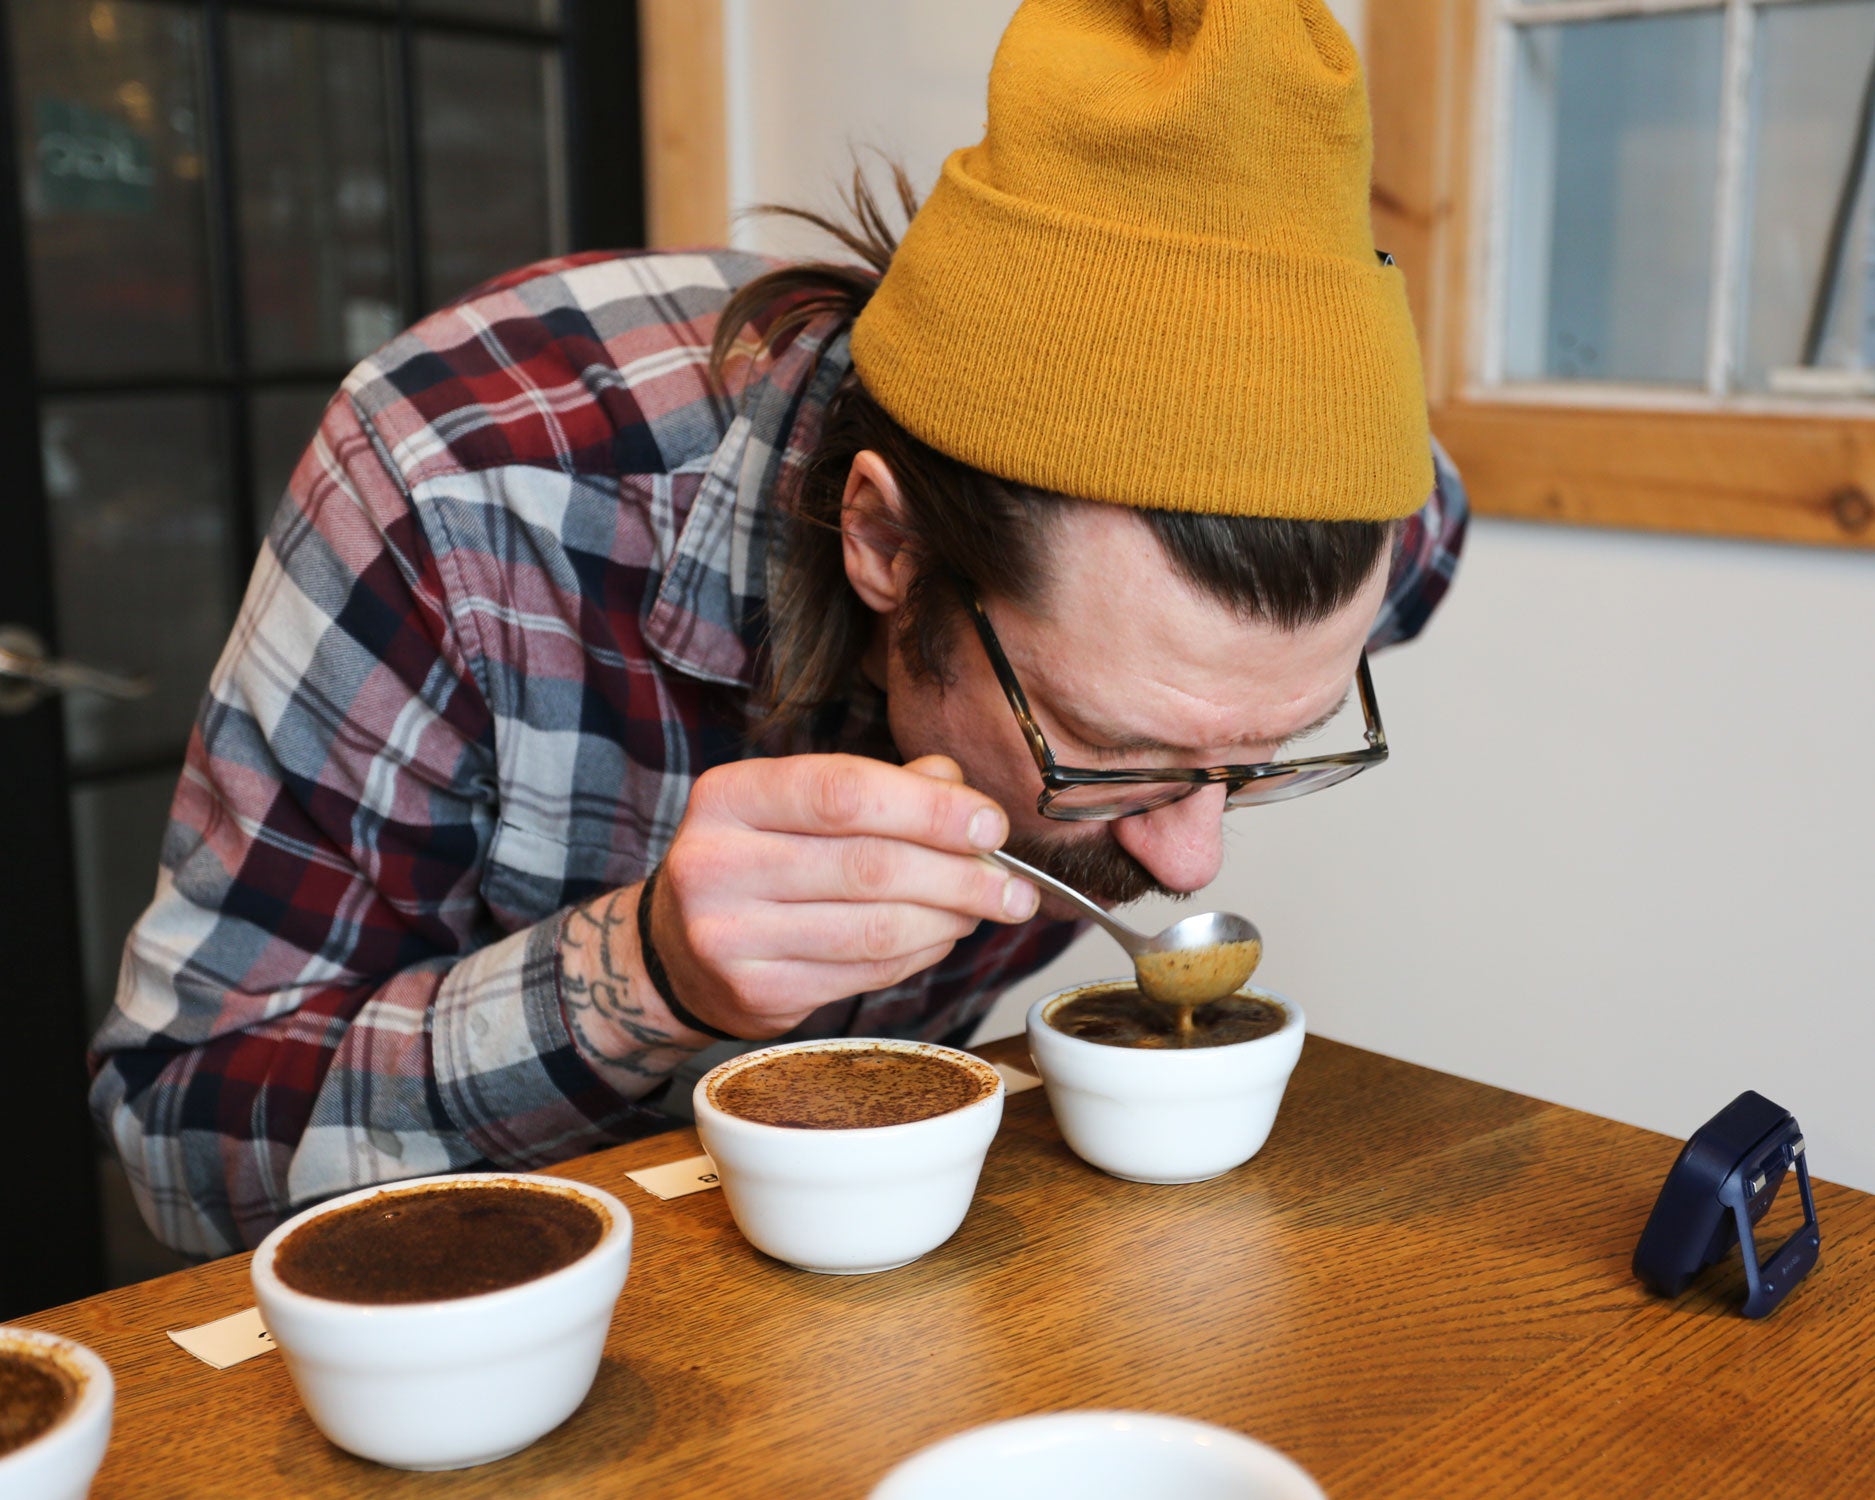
937 767
773 991
793 867
849 794
826 932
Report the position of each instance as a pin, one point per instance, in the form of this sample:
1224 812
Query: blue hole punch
1720 1187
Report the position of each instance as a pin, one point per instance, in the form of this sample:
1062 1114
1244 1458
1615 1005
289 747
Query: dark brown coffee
849 1088
1117 1015
431 1243
35 1391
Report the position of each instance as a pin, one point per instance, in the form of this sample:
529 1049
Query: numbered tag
226 1341
675 1179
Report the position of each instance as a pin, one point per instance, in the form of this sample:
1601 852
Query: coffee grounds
1120 1016
848 1088
34 1394
433 1243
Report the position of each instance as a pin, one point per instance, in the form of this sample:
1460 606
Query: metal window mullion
113 769
579 205
408 124
230 299
555 106
1728 249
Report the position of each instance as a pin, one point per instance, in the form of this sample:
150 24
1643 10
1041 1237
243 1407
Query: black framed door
209 210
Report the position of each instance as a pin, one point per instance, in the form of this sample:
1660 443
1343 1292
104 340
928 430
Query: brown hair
962 522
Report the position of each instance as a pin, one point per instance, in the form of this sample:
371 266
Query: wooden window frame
1804 477
686 155
1769 475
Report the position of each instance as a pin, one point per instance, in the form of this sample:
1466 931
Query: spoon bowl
1196 960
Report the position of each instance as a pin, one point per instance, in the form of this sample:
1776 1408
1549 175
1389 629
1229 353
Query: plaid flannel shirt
509 610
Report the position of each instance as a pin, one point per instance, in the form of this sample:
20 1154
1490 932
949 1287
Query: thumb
937 767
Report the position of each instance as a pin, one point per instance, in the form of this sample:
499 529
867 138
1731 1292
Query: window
1638 235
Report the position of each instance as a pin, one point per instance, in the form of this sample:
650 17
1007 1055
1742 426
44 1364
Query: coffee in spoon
1196 961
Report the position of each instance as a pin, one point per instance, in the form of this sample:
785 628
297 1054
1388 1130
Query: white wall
1624 854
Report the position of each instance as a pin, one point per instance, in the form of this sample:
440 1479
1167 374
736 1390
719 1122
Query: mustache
1096 866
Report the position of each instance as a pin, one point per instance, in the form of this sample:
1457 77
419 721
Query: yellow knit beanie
1154 281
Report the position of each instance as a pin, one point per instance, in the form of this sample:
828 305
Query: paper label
1015 1081
226 1341
694 1174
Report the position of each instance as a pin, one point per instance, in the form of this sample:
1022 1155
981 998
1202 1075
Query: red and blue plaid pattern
507 613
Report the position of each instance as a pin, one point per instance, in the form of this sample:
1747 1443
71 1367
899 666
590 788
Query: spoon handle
1134 942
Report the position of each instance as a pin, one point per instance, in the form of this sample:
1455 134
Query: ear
872 534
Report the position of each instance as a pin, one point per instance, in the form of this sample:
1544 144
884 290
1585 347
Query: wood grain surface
1419 1288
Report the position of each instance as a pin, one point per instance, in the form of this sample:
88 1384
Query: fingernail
1020 899
985 830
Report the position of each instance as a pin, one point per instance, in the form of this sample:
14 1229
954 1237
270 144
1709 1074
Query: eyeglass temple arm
1012 686
1370 706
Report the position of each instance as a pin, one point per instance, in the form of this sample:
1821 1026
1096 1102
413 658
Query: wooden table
1419 1288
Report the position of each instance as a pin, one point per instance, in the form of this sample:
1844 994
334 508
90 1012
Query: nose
1182 843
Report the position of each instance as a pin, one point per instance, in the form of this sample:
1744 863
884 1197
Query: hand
797 881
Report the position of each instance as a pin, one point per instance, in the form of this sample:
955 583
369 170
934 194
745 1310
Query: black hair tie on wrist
654 967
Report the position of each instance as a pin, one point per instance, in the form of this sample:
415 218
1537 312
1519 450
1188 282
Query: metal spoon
1197 959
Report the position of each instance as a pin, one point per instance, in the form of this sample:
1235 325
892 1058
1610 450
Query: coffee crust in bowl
438 1242
36 1391
848 1088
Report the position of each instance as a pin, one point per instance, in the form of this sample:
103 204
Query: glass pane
117 833
318 211
493 180
137 490
527 12
112 162
1614 159
1810 277
283 424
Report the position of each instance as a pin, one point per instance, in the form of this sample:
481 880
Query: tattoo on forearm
603 1010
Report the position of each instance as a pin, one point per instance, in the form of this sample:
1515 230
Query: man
600 695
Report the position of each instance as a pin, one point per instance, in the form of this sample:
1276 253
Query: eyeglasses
1073 794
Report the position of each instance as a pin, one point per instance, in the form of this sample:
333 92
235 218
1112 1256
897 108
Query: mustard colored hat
1154 281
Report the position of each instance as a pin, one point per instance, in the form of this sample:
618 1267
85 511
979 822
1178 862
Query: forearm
229 1114
623 1030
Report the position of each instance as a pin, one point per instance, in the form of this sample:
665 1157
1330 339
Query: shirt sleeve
317 998
1425 558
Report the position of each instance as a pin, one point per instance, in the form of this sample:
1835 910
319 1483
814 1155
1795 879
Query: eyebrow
1096 736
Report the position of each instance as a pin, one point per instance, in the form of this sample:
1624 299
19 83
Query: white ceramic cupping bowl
1115 1455
1163 1116
461 1381
60 1462
846 1202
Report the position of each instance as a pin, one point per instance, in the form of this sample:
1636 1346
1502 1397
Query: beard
1097 866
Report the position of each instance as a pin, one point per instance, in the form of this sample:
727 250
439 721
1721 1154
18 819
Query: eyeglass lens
1093 803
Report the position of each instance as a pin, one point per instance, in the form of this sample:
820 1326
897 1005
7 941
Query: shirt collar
711 608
